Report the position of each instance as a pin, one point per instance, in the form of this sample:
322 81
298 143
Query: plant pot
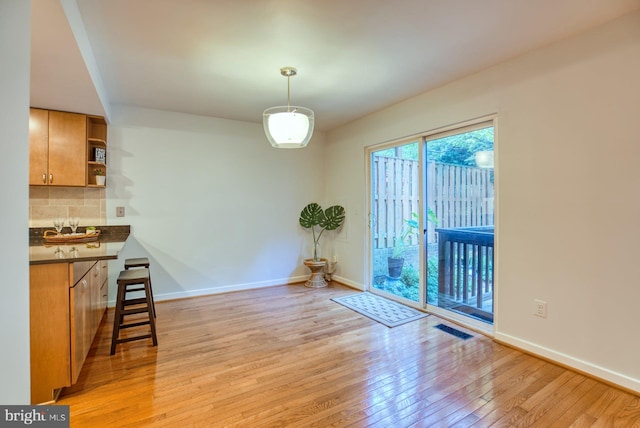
100 180
316 280
395 266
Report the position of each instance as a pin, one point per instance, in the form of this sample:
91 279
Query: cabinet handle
51 178
44 178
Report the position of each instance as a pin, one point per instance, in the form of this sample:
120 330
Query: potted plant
313 217
395 261
411 228
100 177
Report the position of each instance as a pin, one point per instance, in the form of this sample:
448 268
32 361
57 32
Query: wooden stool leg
153 302
117 319
152 311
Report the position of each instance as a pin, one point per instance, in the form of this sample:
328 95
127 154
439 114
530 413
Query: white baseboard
219 290
240 287
585 367
348 282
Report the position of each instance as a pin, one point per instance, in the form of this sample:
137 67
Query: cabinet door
38 147
67 149
49 330
104 288
98 301
81 320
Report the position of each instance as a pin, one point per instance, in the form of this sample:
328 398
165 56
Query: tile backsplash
86 203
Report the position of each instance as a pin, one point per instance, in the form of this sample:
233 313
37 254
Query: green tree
457 149
460 149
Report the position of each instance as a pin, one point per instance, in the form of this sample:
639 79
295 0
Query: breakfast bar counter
68 293
107 247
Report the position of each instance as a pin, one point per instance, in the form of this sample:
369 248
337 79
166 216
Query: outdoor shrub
432 280
410 276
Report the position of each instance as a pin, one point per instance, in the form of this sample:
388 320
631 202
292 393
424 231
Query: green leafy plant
410 228
410 276
313 217
98 171
432 280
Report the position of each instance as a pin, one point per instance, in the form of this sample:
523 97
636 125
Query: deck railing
465 269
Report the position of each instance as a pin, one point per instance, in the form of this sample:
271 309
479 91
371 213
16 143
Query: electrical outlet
540 308
119 211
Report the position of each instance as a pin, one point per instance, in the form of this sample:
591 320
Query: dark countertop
107 247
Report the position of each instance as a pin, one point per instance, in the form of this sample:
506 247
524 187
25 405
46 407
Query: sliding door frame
368 277
423 138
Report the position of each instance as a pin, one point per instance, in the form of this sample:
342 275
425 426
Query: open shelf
96 149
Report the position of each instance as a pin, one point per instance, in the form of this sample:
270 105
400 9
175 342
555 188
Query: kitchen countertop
112 240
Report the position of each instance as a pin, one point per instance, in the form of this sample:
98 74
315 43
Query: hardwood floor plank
288 356
573 405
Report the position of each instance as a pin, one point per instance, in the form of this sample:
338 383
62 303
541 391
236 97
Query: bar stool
137 263
140 279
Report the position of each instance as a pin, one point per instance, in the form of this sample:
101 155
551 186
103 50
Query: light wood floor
289 357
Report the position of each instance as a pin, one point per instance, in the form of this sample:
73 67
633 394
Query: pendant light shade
288 127
484 159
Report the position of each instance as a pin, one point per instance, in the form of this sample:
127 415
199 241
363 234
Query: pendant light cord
288 93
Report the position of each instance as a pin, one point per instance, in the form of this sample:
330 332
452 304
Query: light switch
119 211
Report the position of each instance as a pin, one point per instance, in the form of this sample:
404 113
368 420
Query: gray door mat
378 308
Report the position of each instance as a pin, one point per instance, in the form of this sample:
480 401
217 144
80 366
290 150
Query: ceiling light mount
288 71
288 127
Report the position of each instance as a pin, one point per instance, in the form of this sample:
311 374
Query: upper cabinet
38 147
62 148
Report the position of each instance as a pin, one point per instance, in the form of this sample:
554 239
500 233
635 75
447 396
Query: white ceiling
222 57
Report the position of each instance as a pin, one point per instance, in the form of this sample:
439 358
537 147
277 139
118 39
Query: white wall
14 194
568 205
210 201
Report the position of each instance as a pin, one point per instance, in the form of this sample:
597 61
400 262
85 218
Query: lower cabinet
81 317
67 303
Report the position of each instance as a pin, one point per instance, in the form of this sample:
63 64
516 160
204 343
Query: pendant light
484 159
288 127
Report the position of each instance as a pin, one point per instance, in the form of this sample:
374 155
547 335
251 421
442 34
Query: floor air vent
455 332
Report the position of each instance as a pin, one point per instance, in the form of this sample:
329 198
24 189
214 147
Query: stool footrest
134 324
139 301
130 339
134 311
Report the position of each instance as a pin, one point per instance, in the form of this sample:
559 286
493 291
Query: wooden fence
459 196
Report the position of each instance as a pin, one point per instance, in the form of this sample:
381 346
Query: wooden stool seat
129 281
139 262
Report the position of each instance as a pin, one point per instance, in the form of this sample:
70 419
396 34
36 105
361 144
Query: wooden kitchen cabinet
67 303
57 148
38 147
88 301
102 287
81 320
49 327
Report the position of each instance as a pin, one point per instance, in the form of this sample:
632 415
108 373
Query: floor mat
378 308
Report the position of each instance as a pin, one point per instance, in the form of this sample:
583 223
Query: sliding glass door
431 221
395 221
460 230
